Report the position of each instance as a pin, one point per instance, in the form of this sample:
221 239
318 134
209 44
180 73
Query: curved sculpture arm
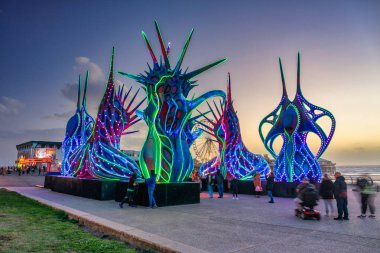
199 100
273 132
325 139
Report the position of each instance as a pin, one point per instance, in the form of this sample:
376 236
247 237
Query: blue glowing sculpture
166 149
78 129
100 155
234 159
293 120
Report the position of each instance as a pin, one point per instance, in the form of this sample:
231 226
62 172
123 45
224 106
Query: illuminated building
39 153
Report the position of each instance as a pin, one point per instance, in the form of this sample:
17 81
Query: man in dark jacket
219 183
340 194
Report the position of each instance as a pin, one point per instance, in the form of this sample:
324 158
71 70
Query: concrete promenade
223 225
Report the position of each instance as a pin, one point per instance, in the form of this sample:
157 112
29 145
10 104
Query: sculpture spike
162 44
137 106
229 95
217 109
132 76
85 90
110 85
212 111
133 99
179 63
298 74
79 86
194 73
149 47
126 95
284 93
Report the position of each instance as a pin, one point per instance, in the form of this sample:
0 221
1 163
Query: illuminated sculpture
234 159
293 120
166 149
100 155
78 129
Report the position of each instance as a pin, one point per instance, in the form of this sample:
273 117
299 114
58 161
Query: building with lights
41 154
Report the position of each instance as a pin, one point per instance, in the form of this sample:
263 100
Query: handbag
258 189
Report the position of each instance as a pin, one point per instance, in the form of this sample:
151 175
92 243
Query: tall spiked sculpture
100 155
234 159
293 120
78 129
166 149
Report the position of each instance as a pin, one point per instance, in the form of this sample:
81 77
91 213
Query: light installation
78 129
234 159
166 149
293 121
100 155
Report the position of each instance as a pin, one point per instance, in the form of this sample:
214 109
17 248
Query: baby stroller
309 201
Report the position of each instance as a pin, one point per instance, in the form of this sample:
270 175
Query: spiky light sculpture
293 120
234 159
166 149
78 129
100 155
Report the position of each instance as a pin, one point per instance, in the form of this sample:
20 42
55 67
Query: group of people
306 192
6 170
218 180
33 169
132 190
328 191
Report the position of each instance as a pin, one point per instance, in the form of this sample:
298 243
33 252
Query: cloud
10 106
60 116
83 64
96 81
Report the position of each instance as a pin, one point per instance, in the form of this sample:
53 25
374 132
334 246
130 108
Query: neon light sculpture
293 120
100 155
234 159
78 129
166 148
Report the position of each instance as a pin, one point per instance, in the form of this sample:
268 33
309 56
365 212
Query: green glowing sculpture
168 110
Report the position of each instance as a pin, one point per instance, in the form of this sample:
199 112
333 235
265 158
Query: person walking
367 195
340 194
209 182
257 184
326 191
234 187
130 196
151 183
219 183
270 185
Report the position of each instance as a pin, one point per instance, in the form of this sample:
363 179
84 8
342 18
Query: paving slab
225 225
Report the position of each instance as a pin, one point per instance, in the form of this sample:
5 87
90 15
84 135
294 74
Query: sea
352 172
358 170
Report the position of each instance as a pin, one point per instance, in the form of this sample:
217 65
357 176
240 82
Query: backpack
363 183
310 196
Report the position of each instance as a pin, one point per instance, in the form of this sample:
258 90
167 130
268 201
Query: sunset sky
45 45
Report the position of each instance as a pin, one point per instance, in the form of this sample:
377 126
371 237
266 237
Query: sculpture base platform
87 188
101 189
281 189
169 194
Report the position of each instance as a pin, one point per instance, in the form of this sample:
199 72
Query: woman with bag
257 184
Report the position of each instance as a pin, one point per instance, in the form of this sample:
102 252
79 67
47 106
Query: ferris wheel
205 146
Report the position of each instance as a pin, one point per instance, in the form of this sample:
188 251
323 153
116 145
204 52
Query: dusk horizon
46 45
